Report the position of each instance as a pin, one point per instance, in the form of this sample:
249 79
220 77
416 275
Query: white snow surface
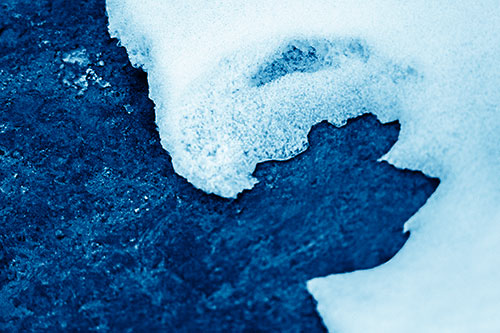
434 65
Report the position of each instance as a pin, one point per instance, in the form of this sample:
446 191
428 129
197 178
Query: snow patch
79 60
238 82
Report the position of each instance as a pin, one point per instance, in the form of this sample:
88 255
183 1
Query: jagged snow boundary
200 56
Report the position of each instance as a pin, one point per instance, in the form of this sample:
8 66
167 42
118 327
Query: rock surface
98 233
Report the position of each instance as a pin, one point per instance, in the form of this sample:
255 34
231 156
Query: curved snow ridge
234 117
240 82
240 114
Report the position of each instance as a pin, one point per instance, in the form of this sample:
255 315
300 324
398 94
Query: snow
240 82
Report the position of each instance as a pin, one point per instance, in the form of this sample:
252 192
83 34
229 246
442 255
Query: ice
239 82
78 57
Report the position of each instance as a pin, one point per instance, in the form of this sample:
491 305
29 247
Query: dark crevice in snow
308 56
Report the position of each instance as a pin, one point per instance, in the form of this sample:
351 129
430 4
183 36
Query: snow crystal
240 82
78 57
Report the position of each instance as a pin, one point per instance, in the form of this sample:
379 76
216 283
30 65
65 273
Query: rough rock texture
98 233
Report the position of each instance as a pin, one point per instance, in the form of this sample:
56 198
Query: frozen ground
98 232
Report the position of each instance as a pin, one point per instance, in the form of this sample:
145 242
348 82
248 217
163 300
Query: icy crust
237 82
253 103
227 123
